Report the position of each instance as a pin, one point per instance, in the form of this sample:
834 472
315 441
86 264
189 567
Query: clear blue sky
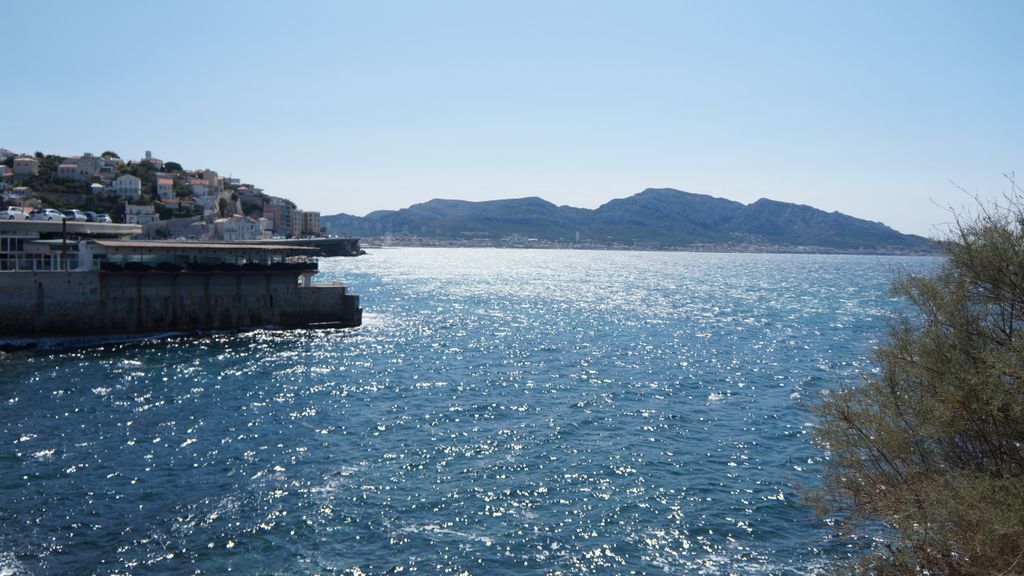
869 108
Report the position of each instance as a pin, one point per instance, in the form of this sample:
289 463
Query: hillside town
166 199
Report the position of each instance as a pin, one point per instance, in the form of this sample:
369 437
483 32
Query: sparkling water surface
500 412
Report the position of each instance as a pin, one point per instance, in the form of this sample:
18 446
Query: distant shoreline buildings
66 280
166 199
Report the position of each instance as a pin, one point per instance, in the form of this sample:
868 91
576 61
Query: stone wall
96 303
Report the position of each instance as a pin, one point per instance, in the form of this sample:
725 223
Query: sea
500 411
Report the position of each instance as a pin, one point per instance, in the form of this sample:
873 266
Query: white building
165 188
209 204
237 228
95 189
88 165
68 172
25 166
128 186
21 196
107 173
140 214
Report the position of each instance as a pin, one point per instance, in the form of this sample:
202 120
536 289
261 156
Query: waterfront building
20 242
297 218
51 272
279 212
310 223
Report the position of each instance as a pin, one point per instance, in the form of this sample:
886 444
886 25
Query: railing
38 262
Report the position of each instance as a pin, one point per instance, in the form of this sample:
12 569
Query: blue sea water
500 412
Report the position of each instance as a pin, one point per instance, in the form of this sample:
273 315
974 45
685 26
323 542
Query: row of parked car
52 215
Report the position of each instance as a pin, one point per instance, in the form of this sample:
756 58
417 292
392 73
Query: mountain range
654 218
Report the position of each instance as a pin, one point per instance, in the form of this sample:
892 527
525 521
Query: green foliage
110 154
933 445
168 212
48 165
222 207
173 167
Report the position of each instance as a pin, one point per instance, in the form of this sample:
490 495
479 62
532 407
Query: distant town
165 198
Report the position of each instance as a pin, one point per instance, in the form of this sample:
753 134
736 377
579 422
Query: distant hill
661 217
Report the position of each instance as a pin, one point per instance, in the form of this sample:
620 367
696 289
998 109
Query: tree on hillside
110 154
932 446
173 167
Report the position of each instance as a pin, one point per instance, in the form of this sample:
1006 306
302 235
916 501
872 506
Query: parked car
76 216
46 214
103 218
90 215
14 213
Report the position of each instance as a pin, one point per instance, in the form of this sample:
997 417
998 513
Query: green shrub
932 445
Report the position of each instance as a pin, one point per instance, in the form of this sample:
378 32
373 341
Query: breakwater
75 303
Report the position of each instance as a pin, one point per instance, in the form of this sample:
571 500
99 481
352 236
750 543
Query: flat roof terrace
223 250
47 229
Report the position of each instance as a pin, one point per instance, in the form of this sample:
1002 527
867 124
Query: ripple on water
498 412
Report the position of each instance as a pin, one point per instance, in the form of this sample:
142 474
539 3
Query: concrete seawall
44 304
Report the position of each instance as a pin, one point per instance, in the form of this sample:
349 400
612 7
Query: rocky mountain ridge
655 218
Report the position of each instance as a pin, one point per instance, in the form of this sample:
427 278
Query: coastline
374 242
